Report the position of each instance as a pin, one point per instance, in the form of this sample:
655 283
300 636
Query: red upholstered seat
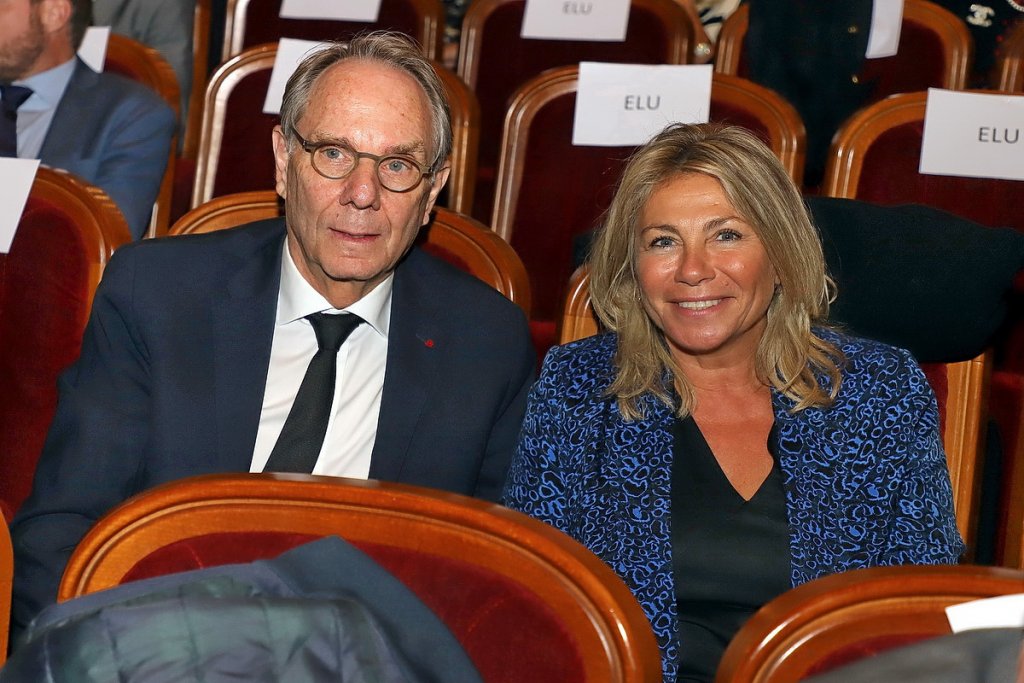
66 234
525 601
888 171
483 610
843 617
252 22
494 61
1008 412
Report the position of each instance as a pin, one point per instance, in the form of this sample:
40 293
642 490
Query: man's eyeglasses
335 160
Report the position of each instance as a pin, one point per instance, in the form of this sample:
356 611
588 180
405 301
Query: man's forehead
355 101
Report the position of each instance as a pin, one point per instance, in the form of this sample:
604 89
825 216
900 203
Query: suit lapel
243 321
415 347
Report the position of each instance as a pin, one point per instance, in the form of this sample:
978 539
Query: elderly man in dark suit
324 342
111 131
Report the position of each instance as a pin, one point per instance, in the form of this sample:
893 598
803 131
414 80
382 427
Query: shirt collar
48 86
297 299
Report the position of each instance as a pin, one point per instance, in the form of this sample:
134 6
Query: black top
729 555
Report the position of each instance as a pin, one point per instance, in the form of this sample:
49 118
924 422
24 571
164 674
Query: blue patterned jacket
866 479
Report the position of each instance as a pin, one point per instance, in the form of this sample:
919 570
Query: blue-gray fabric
321 612
991 655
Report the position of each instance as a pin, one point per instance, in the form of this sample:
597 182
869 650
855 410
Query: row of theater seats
70 229
525 601
493 63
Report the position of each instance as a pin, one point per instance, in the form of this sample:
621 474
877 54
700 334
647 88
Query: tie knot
332 330
13 96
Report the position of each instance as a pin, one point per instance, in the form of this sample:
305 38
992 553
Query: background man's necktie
303 433
11 97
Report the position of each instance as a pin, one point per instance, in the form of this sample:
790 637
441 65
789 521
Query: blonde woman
721 444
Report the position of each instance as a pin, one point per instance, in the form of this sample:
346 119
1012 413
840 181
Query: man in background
108 130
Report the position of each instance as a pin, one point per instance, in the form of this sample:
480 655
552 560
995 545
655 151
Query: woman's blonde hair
790 357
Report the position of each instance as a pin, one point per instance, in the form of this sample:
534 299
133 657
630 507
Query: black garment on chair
11 97
302 436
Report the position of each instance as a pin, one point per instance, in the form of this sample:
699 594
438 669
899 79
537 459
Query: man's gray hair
384 47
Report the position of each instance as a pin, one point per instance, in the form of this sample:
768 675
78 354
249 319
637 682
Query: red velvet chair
526 602
235 150
961 390
539 207
451 236
253 22
935 51
875 157
138 62
66 234
844 617
494 61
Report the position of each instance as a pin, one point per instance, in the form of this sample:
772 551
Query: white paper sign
604 20
973 134
886 23
93 49
342 10
1005 611
290 51
16 176
626 104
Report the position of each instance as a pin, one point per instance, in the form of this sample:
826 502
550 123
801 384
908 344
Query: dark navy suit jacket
114 133
173 366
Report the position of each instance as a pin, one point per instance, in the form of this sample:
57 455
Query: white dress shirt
359 383
36 114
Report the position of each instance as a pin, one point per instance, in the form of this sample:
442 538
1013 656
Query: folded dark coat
321 612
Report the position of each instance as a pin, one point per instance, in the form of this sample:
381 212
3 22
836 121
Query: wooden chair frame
966 408
103 226
430 36
788 137
488 256
465 140
957 45
465 114
479 10
614 638
1011 70
148 67
789 635
200 74
6 586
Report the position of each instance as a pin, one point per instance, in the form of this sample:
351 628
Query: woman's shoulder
870 363
584 363
861 350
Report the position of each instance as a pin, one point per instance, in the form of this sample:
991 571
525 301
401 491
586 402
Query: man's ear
440 178
280 161
55 15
